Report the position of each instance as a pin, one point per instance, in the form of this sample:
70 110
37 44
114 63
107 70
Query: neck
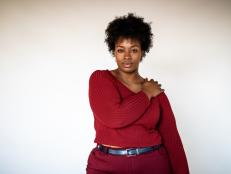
128 77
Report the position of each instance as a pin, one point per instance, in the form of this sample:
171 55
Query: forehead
127 41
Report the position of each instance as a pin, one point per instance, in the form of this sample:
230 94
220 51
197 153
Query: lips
127 64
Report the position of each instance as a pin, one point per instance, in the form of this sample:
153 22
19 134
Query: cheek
118 58
118 61
137 59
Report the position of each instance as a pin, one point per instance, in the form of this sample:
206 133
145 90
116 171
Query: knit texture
128 119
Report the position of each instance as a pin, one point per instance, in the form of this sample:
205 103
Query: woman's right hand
151 88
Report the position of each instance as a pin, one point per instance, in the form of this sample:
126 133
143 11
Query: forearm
171 138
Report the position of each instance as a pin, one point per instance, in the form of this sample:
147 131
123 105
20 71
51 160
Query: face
128 54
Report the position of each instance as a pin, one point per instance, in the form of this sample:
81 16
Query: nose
127 55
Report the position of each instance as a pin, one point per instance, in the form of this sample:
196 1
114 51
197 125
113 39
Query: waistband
129 151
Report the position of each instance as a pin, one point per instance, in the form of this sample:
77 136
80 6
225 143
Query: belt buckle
130 150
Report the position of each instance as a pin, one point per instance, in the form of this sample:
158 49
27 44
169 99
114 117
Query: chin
129 70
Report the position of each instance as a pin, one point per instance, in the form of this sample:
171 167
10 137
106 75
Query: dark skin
128 55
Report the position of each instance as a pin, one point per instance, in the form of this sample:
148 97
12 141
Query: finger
154 81
145 80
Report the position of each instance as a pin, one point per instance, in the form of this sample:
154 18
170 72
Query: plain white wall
48 49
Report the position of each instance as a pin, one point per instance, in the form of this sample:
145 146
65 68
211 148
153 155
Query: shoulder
162 95
163 98
97 73
100 75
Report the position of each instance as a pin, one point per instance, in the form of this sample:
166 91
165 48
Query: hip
152 162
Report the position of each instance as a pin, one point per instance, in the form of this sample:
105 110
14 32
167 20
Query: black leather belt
129 151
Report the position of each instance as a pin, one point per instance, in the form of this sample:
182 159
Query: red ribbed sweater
128 119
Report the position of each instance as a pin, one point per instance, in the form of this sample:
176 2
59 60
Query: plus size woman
135 126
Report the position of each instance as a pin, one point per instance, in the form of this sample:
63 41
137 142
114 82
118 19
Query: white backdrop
48 49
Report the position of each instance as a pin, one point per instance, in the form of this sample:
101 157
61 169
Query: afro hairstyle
129 26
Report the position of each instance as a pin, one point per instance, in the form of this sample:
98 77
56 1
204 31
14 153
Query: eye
135 50
120 50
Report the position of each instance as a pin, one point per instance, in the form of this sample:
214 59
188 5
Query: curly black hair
130 26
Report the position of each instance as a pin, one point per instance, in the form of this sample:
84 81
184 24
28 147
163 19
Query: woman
135 127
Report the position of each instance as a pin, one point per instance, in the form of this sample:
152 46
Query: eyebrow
131 46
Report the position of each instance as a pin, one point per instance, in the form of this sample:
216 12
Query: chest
151 116
133 88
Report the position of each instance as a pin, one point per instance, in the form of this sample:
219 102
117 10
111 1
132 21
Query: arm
108 106
170 136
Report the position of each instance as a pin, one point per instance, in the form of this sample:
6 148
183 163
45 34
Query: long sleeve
170 136
108 106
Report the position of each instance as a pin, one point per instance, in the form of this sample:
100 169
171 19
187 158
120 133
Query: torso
111 146
135 86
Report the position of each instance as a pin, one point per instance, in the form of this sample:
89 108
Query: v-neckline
110 73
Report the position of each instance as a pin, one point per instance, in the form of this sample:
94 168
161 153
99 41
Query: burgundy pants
155 162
